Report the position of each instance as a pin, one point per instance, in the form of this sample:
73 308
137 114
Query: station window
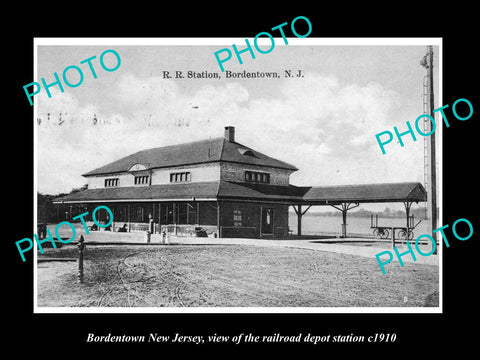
139 214
142 180
181 177
258 177
237 217
111 182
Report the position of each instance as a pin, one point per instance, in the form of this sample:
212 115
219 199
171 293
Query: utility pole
431 167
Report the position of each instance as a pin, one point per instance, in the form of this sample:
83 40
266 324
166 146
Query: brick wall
236 172
199 173
251 219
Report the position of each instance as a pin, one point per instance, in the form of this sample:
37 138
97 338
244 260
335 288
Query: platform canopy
347 197
195 191
316 195
365 193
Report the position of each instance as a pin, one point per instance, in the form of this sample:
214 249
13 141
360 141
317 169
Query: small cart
383 232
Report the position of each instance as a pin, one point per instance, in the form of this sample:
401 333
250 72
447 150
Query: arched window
246 152
137 167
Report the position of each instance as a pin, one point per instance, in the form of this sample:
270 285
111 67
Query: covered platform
347 197
211 204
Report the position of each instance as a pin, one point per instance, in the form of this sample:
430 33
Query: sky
324 123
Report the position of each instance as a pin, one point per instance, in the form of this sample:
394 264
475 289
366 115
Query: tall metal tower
430 164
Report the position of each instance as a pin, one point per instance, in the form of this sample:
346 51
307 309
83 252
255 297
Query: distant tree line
417 212
48 212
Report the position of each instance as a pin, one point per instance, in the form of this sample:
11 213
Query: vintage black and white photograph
298 180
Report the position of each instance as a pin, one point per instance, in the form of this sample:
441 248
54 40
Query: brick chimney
230 133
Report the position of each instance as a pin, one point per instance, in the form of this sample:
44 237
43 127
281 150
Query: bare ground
229 276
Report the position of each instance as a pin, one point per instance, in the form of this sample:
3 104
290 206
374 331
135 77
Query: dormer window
113 182
142 180
180 177
257 177
246 152
137 167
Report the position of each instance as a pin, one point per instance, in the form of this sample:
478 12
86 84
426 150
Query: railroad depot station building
218 186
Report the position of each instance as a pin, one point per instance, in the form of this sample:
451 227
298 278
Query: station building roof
198 152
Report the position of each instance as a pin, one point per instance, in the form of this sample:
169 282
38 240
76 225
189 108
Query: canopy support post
345 206
300 213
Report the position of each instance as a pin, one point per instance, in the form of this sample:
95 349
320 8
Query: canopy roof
224 190
366 193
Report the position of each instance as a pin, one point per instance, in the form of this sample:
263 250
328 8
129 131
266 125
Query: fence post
393 237
81 247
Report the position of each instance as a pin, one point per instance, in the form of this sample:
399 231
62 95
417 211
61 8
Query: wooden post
300 213
174 212
81 247
344 219
393 237
128 216
299 220
345 207
113 219
198 213
153 218
160 218
407 211
219 227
